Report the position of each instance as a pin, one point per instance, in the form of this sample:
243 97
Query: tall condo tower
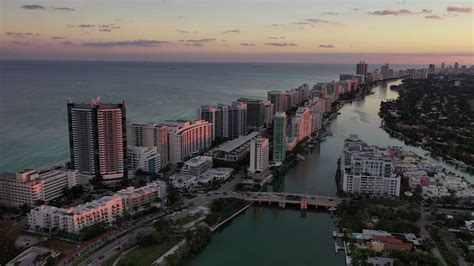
97 139
279 137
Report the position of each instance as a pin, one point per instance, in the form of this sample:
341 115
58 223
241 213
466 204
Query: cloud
385 12
433 17
331 13
231 31
327 46
58 38
466 10
105 30
195 44
33 7
280 44
135 43
275 38
186 31
278 25
247 44
356 9
63 9
201 40
21 34
389 12
21 43
315 21
70 26
66 43
86 25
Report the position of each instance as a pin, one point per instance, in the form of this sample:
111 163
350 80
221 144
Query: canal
271 236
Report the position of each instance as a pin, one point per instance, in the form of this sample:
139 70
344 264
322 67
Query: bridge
282 199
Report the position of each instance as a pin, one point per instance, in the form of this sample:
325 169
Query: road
129 239
425 234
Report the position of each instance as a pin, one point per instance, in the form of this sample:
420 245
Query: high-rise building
280 100
259 155
442 65
237 120
150 135
210 114
361 69
187 138
431 68
279 137
97 139
385 71
368 169
301 124
228 121
456 65
255 111
268 114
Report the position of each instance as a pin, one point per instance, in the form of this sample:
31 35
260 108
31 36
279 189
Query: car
101 257
208 195
225 193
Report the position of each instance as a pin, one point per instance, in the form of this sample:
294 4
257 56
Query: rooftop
231 145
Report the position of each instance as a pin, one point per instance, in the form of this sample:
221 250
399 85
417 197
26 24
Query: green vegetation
9 231
196 241
449 255
145 255
436 114
221 209
392 215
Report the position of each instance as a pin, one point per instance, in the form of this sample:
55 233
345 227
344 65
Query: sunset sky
337 31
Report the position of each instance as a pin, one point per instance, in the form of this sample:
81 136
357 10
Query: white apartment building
55 181
259 155
143 158
138 197
73 220
196 166
28 187
367 169
187 138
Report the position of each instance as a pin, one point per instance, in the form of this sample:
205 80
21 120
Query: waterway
270 236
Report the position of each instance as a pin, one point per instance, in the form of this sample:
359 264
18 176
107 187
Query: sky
306 31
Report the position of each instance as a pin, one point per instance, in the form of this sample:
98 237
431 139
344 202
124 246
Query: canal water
271 236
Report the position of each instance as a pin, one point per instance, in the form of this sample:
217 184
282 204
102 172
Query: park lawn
111 260
146 255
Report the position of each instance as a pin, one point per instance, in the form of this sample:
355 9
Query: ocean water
33 96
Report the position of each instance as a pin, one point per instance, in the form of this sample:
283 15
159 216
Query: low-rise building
233 150
104 210
143 158
28 186
133 198
196 166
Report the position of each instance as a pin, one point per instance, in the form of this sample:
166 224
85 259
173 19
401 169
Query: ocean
33 117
